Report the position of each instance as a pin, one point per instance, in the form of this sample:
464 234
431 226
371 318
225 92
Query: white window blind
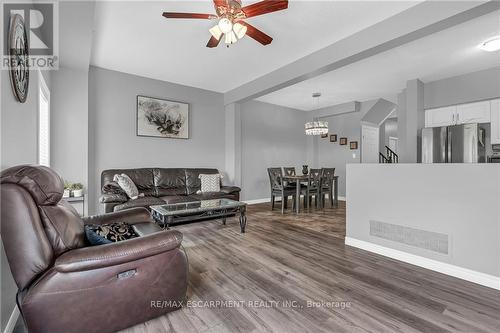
43 123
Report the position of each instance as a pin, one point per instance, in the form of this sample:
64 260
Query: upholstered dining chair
66 285
312 189
278 188
327 176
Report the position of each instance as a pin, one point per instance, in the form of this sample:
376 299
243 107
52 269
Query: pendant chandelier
316 127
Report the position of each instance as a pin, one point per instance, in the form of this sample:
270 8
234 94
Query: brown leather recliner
66 285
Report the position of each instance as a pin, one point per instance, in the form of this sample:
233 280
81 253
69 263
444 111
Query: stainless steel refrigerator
454 144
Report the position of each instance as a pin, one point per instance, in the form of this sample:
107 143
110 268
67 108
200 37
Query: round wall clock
18 48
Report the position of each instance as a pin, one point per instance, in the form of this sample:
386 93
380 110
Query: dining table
299 179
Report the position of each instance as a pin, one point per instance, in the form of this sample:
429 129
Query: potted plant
67 189
77 190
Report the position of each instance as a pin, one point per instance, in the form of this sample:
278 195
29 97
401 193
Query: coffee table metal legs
170 220
243 219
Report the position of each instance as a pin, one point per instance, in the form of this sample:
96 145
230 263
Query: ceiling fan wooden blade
220 3
189 16
256 34
213 42
264 7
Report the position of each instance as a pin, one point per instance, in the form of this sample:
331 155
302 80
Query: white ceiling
445 54
133 37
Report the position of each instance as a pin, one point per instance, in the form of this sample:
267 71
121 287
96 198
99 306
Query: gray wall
19 123
428 197
465 88
19 145
271 136
414 120
69 124
332 154
112 127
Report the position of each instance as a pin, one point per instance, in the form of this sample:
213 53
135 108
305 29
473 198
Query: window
43 122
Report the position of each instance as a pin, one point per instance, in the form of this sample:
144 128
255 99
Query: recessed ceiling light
490 45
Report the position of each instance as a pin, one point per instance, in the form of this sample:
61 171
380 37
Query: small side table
78 203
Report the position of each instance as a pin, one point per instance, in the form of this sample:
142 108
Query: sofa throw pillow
210 183
127 185
112 188
109 233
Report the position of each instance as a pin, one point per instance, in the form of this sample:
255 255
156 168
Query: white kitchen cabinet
440 116
478 112
495 121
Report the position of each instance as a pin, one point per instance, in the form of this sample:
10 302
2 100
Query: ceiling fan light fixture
230 16
230 38
240 30
225 25
216 32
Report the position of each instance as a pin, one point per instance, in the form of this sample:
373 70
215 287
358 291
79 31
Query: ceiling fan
231 25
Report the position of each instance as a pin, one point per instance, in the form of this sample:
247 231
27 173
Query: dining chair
279 189
327 177
313 188
289 171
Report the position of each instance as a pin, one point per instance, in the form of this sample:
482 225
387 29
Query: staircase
389 157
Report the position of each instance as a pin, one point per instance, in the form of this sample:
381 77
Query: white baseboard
9 328
434 265
265 200
257 201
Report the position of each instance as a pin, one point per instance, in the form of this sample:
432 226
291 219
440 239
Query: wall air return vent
423 239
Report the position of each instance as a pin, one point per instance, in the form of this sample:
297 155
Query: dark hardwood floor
296 259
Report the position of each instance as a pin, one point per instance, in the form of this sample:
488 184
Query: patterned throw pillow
127 185
210 183
109 233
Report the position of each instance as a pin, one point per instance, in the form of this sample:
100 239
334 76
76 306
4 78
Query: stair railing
391 155
383 159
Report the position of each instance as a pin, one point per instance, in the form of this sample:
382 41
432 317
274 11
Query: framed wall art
333 138
162 118
343 141
353 145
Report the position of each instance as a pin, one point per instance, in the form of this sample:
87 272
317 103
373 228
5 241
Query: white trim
257 201
11 324
43 92
266 200
434 265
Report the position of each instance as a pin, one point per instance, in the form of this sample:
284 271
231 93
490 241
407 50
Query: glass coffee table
169 214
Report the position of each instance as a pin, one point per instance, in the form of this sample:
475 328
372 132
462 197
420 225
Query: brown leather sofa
66 285
160 186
